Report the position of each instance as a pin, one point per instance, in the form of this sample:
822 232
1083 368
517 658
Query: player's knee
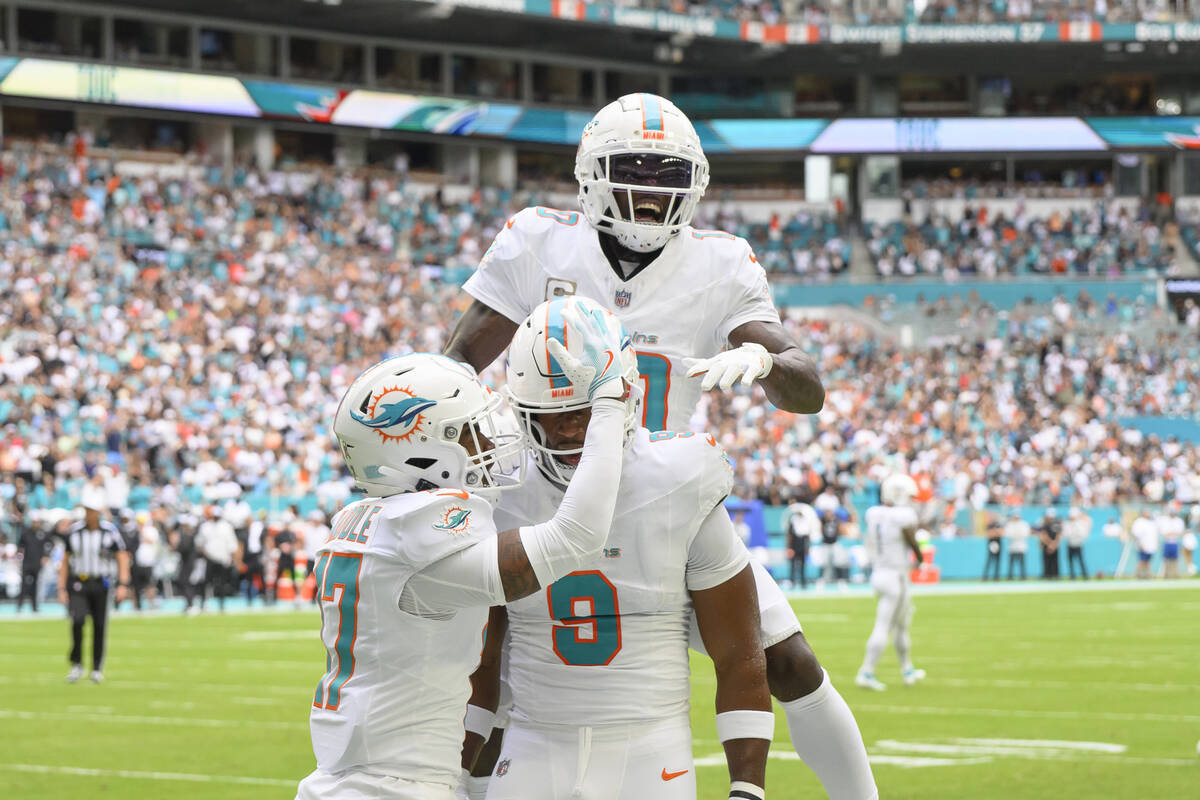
792 669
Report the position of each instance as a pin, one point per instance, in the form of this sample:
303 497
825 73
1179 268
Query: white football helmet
898 489
401 422
536 384
640 143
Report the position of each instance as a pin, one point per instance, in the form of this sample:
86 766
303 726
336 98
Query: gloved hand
598 371
749 362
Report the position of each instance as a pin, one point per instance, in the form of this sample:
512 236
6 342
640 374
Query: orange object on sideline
309 588
927 572
285 589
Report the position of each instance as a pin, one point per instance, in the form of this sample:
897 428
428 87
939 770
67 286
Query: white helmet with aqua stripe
537 384
641 171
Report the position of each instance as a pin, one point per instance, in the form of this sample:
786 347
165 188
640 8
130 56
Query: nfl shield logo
622 298
502 768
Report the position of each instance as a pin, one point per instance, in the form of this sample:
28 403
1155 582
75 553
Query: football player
407 574
696 303
598 663
891 536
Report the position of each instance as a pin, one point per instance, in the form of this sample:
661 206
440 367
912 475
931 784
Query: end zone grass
1038 695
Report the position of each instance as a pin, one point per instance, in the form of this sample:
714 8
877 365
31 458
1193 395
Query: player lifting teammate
598 664
684 295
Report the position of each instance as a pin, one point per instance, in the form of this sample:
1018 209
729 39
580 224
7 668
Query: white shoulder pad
428 526
690 465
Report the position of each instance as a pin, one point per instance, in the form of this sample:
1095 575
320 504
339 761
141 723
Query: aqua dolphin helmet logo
394 413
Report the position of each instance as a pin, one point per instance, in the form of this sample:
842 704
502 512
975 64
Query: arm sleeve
466 579
750 295
578 531
506 280
716 554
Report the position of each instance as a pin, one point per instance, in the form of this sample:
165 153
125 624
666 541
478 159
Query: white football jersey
703 285
609 643
396 685
885 535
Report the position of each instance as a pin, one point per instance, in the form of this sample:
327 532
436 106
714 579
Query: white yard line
49 769
1113 716
132 719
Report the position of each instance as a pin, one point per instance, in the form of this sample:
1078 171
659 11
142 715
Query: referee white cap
93 498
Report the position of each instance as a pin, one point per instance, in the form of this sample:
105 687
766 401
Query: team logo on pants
502 768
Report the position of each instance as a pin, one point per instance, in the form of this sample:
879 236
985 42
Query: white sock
477 787
826 737
903 649
876 644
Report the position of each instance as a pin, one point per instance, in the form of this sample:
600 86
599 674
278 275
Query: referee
84 577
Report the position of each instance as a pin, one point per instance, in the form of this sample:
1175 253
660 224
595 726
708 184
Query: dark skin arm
727 616
910 536
485 682
793 383
480 336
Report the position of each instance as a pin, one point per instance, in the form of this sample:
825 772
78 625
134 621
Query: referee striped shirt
92 550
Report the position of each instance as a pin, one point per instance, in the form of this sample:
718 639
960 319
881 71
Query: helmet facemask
642 195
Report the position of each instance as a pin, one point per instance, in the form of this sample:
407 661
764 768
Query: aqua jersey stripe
651 113
555 329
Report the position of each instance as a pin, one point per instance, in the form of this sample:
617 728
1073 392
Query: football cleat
912 675
867 680
97 676
75 674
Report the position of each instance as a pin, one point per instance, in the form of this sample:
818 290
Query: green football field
1090 694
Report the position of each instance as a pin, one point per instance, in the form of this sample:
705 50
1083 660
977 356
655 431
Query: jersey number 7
586 605
337 579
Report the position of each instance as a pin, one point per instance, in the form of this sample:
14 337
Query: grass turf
216 706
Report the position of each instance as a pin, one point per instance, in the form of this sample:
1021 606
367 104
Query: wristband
479 720
745 724
743 790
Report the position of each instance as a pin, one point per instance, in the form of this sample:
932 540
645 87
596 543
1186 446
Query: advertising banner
958 135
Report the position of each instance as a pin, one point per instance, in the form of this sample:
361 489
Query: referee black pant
88 598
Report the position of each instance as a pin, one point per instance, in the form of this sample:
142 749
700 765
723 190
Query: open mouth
649 208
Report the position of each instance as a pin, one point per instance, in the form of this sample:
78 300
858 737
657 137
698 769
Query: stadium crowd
1103 240
182 342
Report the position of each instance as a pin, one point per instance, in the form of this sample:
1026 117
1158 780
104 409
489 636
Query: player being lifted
598 663
408 573
684 295
891 535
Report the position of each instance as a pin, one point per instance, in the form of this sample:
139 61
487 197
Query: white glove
749 362
599 369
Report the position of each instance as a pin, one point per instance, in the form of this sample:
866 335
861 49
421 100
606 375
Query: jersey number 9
585 604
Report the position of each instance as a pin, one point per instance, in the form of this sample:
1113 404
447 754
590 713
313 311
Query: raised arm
480 336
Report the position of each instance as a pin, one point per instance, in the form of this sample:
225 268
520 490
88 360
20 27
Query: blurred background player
408 573
34 546
891 535
1171 528
801 526
995 542
1017 531
221 552
1076 531
95 559
598 667
641 172
1145 535
1050 535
